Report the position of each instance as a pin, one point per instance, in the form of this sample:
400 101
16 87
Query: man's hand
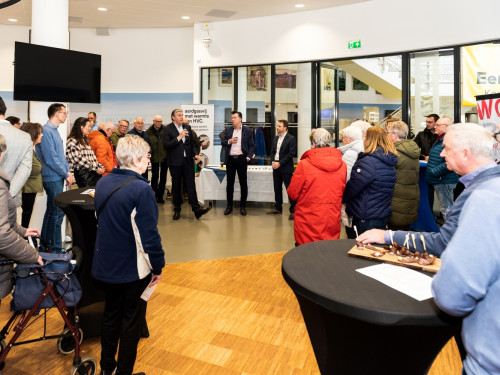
197 157
372 236
276 164
32 232
40 261
69 179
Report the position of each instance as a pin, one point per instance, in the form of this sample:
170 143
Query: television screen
50 74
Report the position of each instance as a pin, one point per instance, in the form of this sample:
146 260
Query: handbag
28 285
86 177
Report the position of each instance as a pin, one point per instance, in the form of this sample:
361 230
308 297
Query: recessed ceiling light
299 5
186 17
12 20
103 9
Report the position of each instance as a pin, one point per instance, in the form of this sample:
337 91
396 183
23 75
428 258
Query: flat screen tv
50 74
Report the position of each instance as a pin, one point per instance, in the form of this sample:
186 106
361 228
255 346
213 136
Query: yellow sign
481 72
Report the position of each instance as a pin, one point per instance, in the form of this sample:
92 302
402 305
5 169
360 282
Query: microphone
184 128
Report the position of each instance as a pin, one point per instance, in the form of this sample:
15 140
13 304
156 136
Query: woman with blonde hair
317 186
368 193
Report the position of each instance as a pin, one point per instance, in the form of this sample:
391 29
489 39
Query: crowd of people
370 184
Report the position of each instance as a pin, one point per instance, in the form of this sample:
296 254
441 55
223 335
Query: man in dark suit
283 151
239 151
181 153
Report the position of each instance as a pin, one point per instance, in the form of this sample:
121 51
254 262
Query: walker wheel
66 345
87 367
2 346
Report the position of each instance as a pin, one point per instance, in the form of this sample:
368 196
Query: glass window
217 89
431 86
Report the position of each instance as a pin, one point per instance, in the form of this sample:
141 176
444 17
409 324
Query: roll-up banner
481 71
201 119
488 111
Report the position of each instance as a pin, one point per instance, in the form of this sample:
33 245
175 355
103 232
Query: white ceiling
166 13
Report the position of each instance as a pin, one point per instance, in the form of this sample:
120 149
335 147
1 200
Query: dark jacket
175 148
128 246
425 139
247 143
141 134
158 152
288 151
437 173
368 192
317 186
406 196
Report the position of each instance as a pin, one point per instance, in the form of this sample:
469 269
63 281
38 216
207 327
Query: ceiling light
103 9
186 17
299 5
12 20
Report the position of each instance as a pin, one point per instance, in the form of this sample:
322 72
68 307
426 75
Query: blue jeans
52 220
364 225
444 194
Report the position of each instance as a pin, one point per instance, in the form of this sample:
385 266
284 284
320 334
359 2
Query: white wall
382 26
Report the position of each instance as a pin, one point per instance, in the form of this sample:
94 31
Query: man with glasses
55 170
93 120
426 138
158 158
120 132
138 130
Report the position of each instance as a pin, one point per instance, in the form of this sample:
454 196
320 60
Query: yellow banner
481 72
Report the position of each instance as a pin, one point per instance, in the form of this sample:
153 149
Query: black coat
288 151
175 148
247 143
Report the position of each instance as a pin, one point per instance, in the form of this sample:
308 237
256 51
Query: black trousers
184 172
159 171
280 177
235 165
27 203
122 322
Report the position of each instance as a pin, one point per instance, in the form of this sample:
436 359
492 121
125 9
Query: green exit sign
354 44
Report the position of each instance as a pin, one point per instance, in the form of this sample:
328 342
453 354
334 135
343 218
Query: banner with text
201 119
488 111
481 74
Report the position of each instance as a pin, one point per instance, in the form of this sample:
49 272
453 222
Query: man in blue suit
239 151
283 151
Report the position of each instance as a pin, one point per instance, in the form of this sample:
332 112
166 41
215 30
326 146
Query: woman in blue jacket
368 192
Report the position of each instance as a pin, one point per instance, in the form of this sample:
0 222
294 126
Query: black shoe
177 215
202 211
274 212
243 210
169 195
228 209
112 372
291 217
160 201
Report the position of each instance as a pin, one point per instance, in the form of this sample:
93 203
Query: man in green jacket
120 132
158 158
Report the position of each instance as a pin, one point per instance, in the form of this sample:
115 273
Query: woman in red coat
317 185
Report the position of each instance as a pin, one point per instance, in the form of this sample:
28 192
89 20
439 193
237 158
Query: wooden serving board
393 259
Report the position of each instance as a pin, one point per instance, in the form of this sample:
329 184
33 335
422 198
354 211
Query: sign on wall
488 111
481 72
201 119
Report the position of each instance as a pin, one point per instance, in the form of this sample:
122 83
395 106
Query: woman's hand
32 232
155 279
40 261
100 170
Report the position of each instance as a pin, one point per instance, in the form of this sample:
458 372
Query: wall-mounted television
50 74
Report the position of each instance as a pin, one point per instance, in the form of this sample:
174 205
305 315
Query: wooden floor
225 316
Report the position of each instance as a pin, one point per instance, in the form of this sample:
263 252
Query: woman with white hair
128 252
317 186
352 139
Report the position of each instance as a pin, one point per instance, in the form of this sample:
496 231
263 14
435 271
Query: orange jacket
102 150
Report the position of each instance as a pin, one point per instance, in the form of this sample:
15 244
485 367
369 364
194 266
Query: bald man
158 158
138 130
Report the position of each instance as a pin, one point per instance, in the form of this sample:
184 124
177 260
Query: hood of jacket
96 134
325 158
390 159
409 148
356 146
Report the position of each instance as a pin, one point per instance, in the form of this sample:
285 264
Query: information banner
201 119
488 111
481 71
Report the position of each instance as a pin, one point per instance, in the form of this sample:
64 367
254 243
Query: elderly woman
368 193
128 252
12 244
406 196
80 156
352 139
317 186
33 185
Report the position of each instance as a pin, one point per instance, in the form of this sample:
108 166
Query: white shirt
278 147
236 148
179 129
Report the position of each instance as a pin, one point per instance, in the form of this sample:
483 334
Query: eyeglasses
64 113
496 136
148 155
429 122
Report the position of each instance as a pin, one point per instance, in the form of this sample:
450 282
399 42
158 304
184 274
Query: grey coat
12 244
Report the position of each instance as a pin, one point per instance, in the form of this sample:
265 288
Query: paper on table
148 291
404 280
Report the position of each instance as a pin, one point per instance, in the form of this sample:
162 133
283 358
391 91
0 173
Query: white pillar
242 92
304 108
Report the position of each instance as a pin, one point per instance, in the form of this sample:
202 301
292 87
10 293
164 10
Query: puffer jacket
368 193
12 245
406 196
158 152
437 172
350 154
317 186
103 150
